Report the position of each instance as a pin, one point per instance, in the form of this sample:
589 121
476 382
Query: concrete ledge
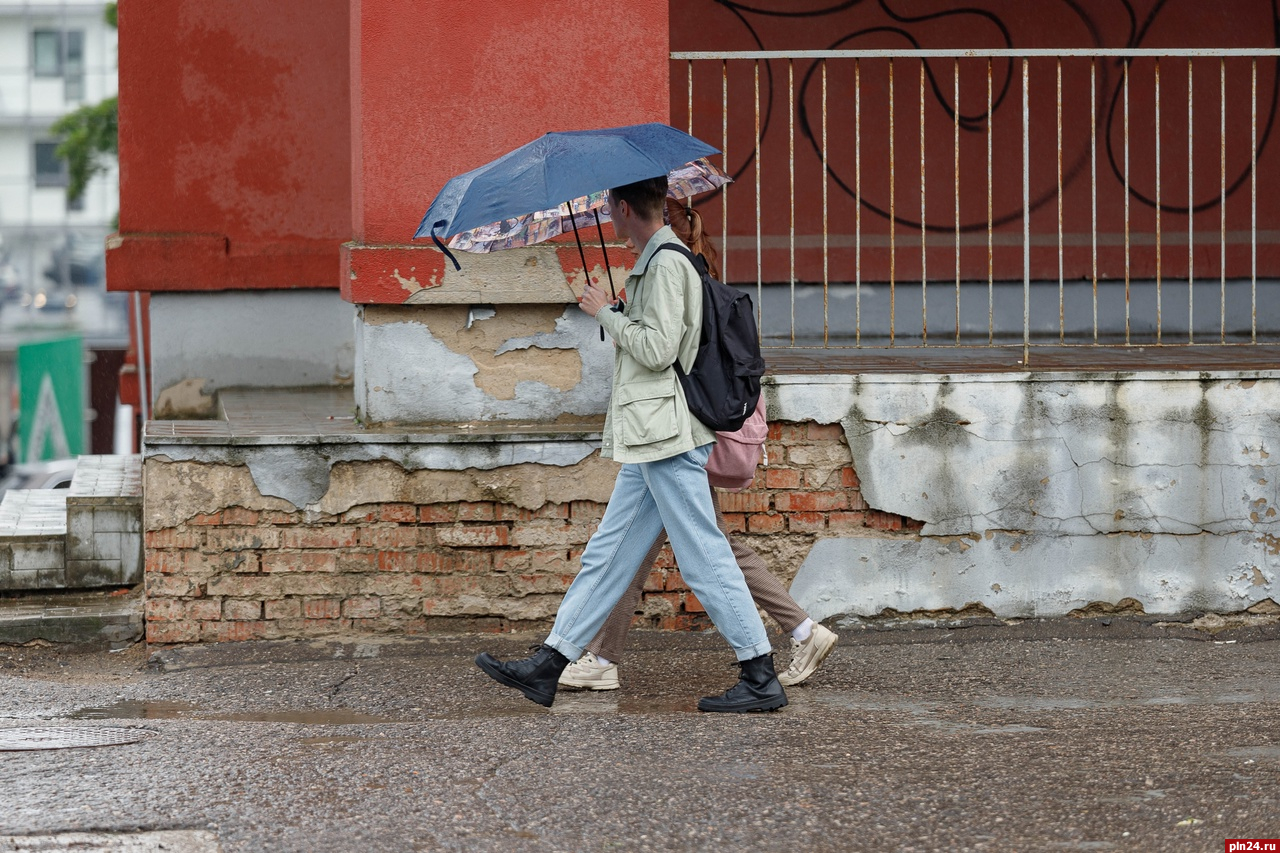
97 618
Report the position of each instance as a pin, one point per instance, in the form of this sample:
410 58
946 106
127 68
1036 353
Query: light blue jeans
648 496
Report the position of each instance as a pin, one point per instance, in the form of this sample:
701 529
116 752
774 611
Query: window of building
46 53
73 65
50 171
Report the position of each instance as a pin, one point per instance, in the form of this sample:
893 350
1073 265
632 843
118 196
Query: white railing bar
991 53
791 137
1093 185
1222 206
1253 215
991 268
759 252
893 255
1062 311
724 158
1191 211
826 255
857 199
924 277
1159 252
956 156
1026 215
1127 265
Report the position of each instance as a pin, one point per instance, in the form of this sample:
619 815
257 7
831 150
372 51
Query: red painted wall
445 87
235 145
898 24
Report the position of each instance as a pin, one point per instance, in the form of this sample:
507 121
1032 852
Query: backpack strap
699 262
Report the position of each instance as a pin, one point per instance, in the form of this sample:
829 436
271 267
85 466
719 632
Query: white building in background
55 56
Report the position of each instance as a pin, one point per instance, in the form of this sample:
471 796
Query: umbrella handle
441 246
573 220
596 212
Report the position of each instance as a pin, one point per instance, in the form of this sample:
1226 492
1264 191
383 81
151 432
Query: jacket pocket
648 411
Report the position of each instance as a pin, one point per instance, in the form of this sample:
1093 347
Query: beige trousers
767 591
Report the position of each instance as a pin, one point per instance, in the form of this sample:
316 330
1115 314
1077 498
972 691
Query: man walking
663 482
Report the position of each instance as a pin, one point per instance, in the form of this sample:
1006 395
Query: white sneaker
806 657
587 673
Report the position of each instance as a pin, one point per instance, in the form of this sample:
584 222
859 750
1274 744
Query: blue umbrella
554 169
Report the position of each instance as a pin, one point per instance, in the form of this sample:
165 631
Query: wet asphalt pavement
1064 735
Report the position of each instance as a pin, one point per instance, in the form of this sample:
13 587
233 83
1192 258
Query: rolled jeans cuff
568 649
752 652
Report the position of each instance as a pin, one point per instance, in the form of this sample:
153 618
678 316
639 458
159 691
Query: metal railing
1123 296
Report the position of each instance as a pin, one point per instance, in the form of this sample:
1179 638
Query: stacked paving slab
84 537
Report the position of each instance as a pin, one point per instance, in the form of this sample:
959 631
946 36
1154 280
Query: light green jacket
648 418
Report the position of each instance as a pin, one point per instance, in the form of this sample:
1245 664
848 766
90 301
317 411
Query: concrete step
86 536
33 533
112 619
104 522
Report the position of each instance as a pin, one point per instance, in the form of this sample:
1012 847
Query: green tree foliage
90 136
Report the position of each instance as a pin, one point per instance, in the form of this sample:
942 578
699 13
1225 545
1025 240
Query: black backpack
723 387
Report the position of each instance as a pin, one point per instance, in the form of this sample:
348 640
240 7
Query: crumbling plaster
480 362
180 489
1040 493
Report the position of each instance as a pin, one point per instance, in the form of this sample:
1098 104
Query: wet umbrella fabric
554 169
689 180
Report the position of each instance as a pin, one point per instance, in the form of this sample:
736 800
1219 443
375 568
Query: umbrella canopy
556 168
690 179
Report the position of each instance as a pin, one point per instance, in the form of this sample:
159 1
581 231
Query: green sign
50 400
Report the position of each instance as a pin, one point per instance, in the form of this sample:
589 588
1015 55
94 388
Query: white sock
802 631
603 661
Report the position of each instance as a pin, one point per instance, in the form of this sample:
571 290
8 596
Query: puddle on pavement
129 710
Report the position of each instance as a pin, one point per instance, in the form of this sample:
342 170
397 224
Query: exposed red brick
825 432
766 522
384 538
775 431
283 608
692 604
810 501
242 538
747 501
319 537
791 433
550 560
171 586
206 518
362 608
233 632
400 513
473 537
322 608
507 512
356 562
849 478
438 514
475 511
846 521
205 609
164 610
586 510
511 561
675 582
173 632
782 478
656 582
172 537
883 520
166 562
397 561
241 610
550 510
736 522
314 561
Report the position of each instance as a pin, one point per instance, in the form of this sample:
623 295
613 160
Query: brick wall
405 568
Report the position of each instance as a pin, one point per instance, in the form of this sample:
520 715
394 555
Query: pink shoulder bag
733 461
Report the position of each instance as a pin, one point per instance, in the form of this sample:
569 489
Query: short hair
646 197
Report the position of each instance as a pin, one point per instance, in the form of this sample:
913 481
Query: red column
441 88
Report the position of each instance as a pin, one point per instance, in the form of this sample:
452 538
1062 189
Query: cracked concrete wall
1041 493
201 342
482 362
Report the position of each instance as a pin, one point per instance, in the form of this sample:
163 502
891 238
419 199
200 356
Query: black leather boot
757 690
536 677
